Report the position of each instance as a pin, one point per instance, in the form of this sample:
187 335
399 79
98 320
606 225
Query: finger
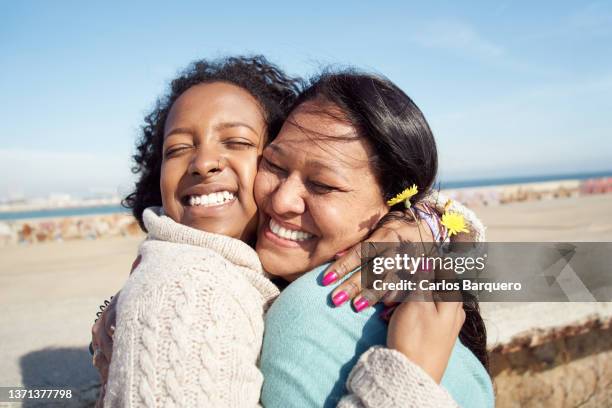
110 318
106 345
346 264
373 296
367 298
96 329
387 288
347 290
352 288
104 341
384 291
351 260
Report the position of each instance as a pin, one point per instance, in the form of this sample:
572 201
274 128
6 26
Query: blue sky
510 88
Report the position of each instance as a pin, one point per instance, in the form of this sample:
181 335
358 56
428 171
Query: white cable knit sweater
189 322
190 327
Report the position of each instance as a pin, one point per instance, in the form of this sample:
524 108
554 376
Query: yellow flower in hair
404 196
454 222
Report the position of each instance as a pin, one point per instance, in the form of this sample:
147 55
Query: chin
279 265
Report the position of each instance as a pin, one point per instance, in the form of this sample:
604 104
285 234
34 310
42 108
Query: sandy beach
50 291
578 219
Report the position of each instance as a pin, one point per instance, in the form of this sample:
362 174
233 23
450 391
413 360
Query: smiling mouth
287 234
210 200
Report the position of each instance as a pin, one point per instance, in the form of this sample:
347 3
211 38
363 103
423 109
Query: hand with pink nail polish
347 263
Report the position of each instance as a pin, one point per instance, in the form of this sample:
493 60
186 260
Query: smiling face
213 138
316 196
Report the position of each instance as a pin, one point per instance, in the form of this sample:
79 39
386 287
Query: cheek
264 186
246 171
333 220
167 184
345 222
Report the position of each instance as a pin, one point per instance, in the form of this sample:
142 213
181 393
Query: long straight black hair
404 151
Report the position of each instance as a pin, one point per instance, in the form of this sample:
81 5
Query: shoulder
301 296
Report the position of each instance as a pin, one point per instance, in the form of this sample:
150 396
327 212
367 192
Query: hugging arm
385 377
407 372
102 338
420 338
401 227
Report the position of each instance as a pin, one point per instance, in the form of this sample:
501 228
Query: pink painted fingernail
339 298
361 304
331 277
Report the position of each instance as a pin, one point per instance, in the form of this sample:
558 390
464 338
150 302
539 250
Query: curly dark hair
274 90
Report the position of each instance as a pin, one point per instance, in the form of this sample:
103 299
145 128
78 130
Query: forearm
385 377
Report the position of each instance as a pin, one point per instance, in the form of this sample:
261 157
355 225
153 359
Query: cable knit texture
189 321
386 378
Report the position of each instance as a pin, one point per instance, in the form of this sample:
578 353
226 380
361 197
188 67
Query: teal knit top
310 348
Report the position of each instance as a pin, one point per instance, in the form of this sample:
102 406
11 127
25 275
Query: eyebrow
312 162
228 125
219 127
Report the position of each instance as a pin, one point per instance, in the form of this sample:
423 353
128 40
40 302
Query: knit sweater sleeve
386 378
189 332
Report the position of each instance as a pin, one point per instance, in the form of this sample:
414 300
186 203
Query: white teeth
291 235
211 199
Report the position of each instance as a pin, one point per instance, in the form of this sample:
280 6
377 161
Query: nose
206 161
287 200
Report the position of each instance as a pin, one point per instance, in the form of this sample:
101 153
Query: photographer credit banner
492 272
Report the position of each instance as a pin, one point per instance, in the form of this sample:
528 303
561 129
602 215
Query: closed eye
320 188
239 143
273 167
176 149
